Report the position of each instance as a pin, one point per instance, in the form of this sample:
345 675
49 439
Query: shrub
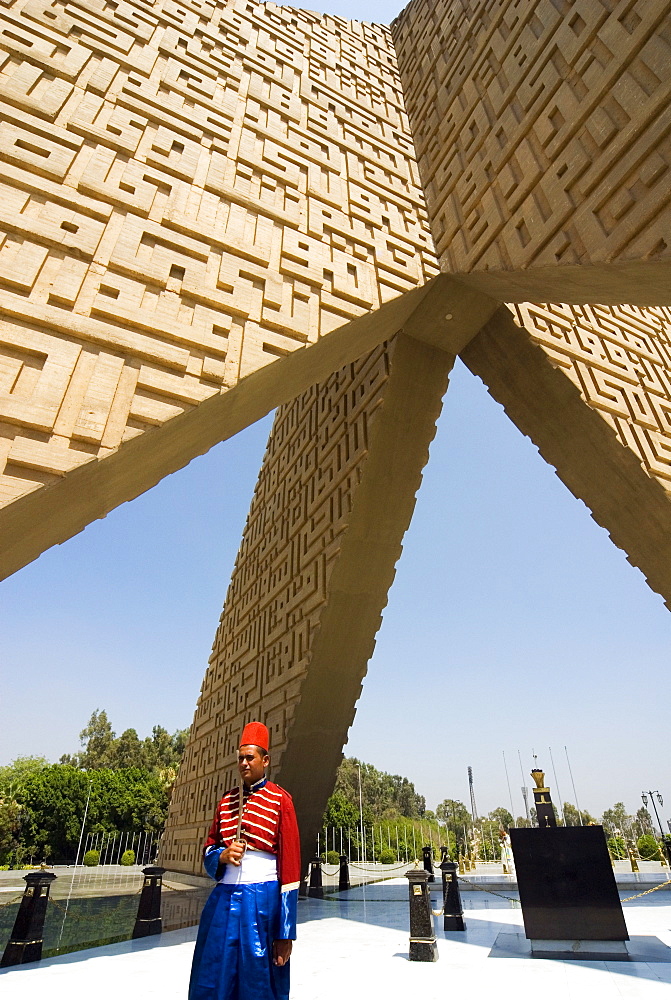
127 858
332 858
648 847
386 856
91 859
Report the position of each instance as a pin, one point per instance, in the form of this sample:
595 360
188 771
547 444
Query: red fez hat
255 734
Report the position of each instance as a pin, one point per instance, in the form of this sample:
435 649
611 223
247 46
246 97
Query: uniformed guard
248 924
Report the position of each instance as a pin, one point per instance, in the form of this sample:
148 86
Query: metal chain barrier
377 871
511 899
647 891
13 900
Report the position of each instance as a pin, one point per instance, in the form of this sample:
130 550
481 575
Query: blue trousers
233 958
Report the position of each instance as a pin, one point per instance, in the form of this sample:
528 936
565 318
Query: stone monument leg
334 497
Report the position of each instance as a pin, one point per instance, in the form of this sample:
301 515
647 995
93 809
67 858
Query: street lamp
652 795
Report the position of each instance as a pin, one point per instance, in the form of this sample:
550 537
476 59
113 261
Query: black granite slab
566 884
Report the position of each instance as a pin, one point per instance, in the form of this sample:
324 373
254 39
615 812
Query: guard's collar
256 786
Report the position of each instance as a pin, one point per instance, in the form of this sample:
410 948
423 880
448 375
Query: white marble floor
359 949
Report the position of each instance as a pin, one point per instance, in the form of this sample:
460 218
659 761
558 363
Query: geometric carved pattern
542 130
619 357
328 496
189 191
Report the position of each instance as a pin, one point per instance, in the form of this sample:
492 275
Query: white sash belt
257 866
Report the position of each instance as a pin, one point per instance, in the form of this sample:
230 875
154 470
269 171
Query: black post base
423 947
423 950
25 943
343 877
453 914
315 887
148 920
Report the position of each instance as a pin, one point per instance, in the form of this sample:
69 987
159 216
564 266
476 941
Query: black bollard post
25 943
453 914
423 947
343 877
315 888
148 920
427 853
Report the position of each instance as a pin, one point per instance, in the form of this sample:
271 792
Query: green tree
179 740
644 820
501 816
10 827
457 820
159 748
54 801
575 817
341 813
453 813
161 752
384 795
13 776
97 739
128 751
616 818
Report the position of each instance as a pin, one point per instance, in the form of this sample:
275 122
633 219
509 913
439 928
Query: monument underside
208 210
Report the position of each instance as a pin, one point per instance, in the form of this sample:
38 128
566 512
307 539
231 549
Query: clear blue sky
513 623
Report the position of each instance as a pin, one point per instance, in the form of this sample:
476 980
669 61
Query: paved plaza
356 945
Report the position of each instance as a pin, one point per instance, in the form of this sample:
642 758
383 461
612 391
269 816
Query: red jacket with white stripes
268 824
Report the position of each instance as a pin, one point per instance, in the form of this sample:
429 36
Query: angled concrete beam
57 511
642 283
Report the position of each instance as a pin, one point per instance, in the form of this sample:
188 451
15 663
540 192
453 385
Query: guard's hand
281 951
233 854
